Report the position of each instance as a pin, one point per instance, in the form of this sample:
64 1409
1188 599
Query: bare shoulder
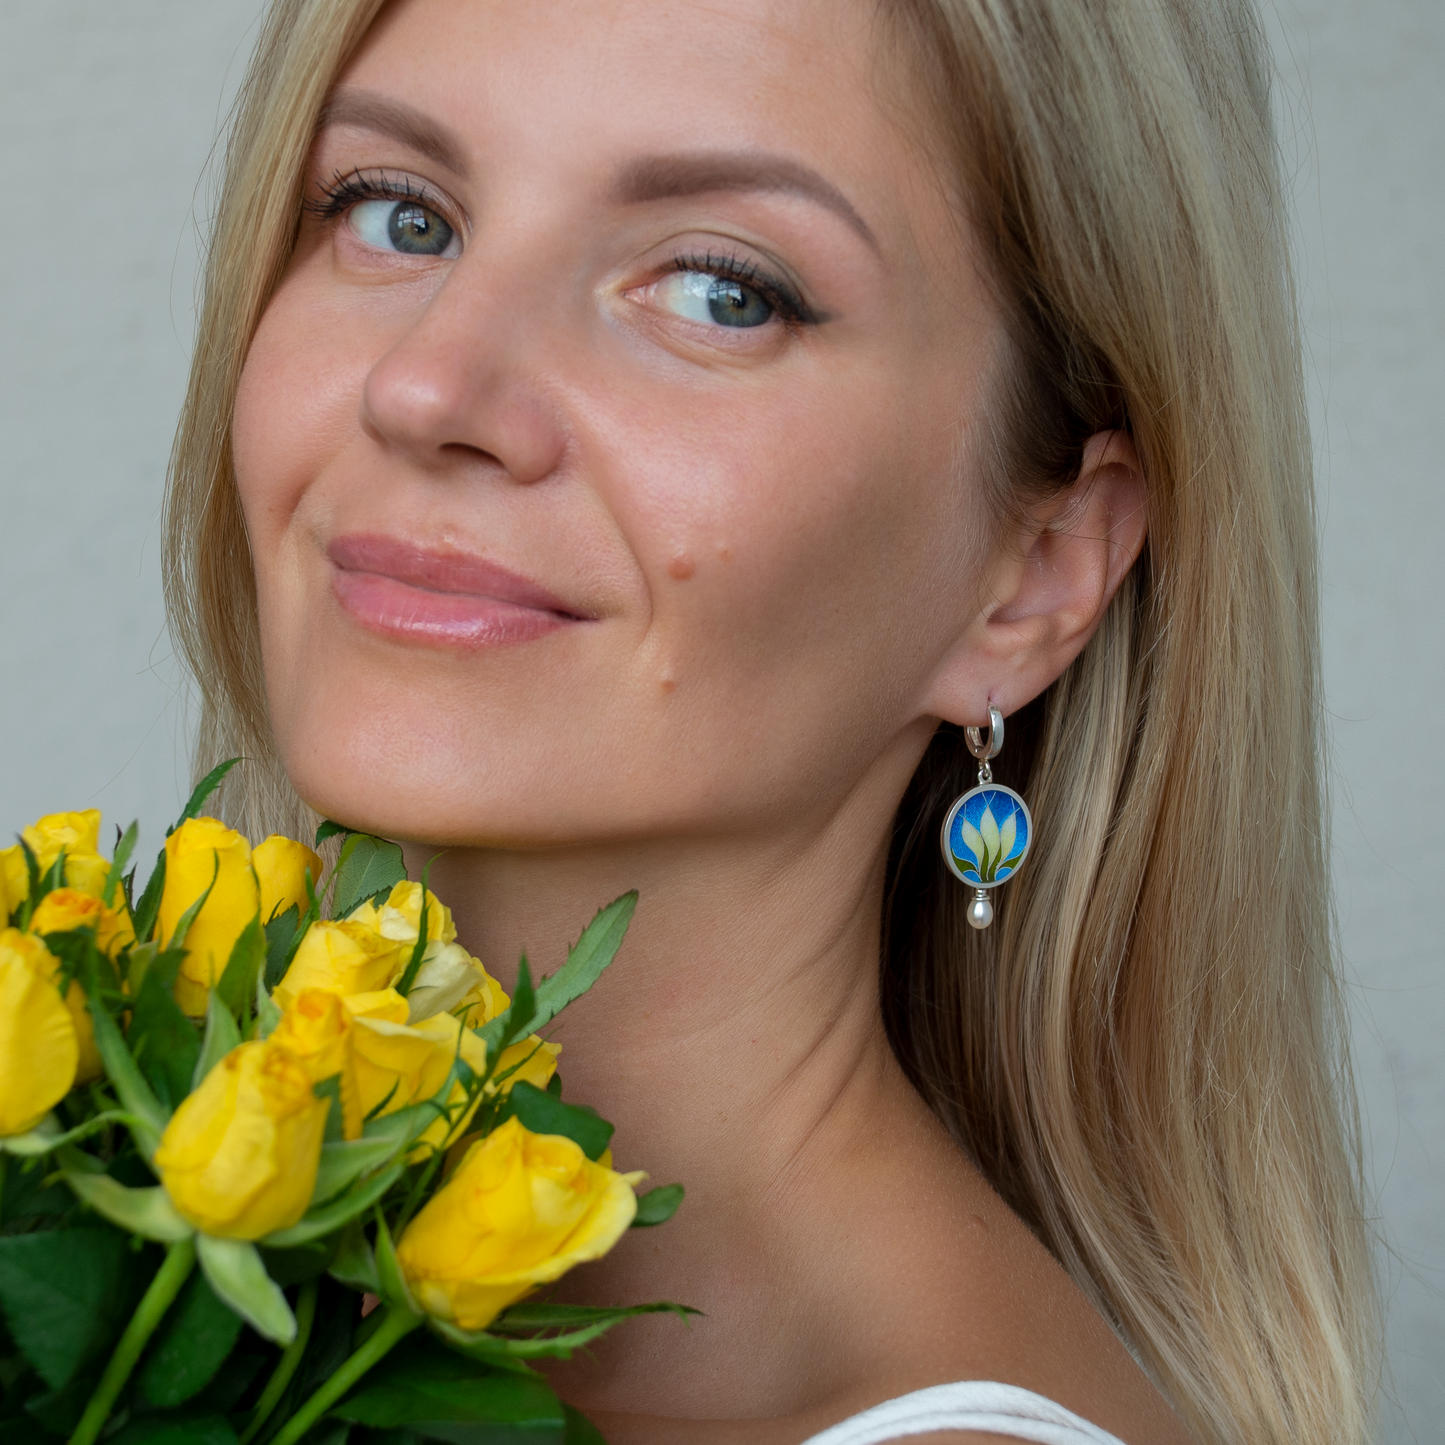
967 1292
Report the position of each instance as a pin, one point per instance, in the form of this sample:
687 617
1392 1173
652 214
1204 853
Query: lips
447 598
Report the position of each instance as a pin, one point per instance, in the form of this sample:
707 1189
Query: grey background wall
108 112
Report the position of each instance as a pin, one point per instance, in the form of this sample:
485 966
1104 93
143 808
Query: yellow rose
281 866
78 834
63 909
518 1211
313 1031
390 1063
533 1060
343 958
399 918
450 978
200 849
239 1156
14 879
75 832
38 1048
58 912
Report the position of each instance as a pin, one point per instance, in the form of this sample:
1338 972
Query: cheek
795 531
297 406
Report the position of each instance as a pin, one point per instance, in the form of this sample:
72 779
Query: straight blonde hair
1146 1054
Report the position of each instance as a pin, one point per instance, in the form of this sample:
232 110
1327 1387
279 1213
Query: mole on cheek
681 568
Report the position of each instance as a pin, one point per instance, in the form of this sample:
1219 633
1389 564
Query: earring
988 830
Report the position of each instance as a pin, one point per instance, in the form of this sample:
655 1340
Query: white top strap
970 1405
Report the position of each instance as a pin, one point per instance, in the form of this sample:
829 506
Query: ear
1047 586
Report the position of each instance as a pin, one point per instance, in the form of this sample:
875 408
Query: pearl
980 911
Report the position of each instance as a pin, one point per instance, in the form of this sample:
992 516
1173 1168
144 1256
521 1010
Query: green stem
286 1367
175 1269
395 1327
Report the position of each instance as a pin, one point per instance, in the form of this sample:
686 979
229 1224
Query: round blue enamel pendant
986 835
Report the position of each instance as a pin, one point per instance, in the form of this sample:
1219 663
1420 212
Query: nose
464 380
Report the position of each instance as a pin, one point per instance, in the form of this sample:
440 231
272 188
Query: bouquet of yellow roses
248 1152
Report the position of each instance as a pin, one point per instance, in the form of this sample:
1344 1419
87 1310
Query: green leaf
657 1206
585 965
543 1113
368 866
329 1088
243 968
123 849
328 829
537 1331
280 936
326 1218
203 790
346 1160
146 1212
296 1266
353 1263
429 1390
394 1289
516 1022
222 1036
191 1345
187 1427
149 907
47 1135
580 1430
66 1295
418 951
237 1275
268 1015
130 1086
160 1036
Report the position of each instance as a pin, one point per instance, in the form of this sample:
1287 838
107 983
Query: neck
736 1043
745 991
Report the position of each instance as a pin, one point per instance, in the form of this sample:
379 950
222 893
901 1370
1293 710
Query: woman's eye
405 226
714 300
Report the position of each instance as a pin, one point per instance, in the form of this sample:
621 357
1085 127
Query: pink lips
413 594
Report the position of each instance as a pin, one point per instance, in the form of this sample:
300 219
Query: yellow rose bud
281 866
518 1211
75 832
391 1063
199 850
60 911
533 1060
450 978
78 834
399 918
343 958
63 909
14 879
313 1031
38 1048
239 1156
86 871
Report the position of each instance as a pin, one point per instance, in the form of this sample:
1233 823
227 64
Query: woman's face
600 449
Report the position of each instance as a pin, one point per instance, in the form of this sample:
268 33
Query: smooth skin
777 572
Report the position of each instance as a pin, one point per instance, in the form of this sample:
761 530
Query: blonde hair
1145 1054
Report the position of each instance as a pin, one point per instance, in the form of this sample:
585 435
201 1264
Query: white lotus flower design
992 846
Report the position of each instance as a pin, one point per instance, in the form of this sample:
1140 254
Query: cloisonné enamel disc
986 834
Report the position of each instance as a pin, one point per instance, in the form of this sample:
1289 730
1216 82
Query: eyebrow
398 121
651 178
665 177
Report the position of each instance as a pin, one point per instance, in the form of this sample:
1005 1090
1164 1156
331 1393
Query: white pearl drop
980 912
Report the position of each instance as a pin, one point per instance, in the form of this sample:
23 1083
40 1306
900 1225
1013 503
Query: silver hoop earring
987 832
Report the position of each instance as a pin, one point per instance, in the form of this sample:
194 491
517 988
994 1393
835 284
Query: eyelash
792 310
347 190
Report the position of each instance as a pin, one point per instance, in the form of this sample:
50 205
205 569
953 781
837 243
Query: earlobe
1051 582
